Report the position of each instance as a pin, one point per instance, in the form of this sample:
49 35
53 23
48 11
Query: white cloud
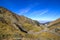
44 12
23 11
39 12
36 15
27 9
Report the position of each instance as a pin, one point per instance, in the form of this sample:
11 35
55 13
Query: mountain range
18 27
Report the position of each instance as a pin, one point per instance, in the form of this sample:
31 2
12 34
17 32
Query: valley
18 27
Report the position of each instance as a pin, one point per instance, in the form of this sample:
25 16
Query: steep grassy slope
17 27
55 26
12 25
54 22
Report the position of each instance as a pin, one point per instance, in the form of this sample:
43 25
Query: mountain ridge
15 24
14 27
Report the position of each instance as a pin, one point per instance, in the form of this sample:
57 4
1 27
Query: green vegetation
9 29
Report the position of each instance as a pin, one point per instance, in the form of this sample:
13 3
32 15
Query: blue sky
41 10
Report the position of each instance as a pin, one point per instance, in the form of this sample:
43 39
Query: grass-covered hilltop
18 27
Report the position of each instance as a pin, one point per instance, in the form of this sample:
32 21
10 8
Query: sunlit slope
54 22
55 26
13 26
18 27
7 32
49 36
